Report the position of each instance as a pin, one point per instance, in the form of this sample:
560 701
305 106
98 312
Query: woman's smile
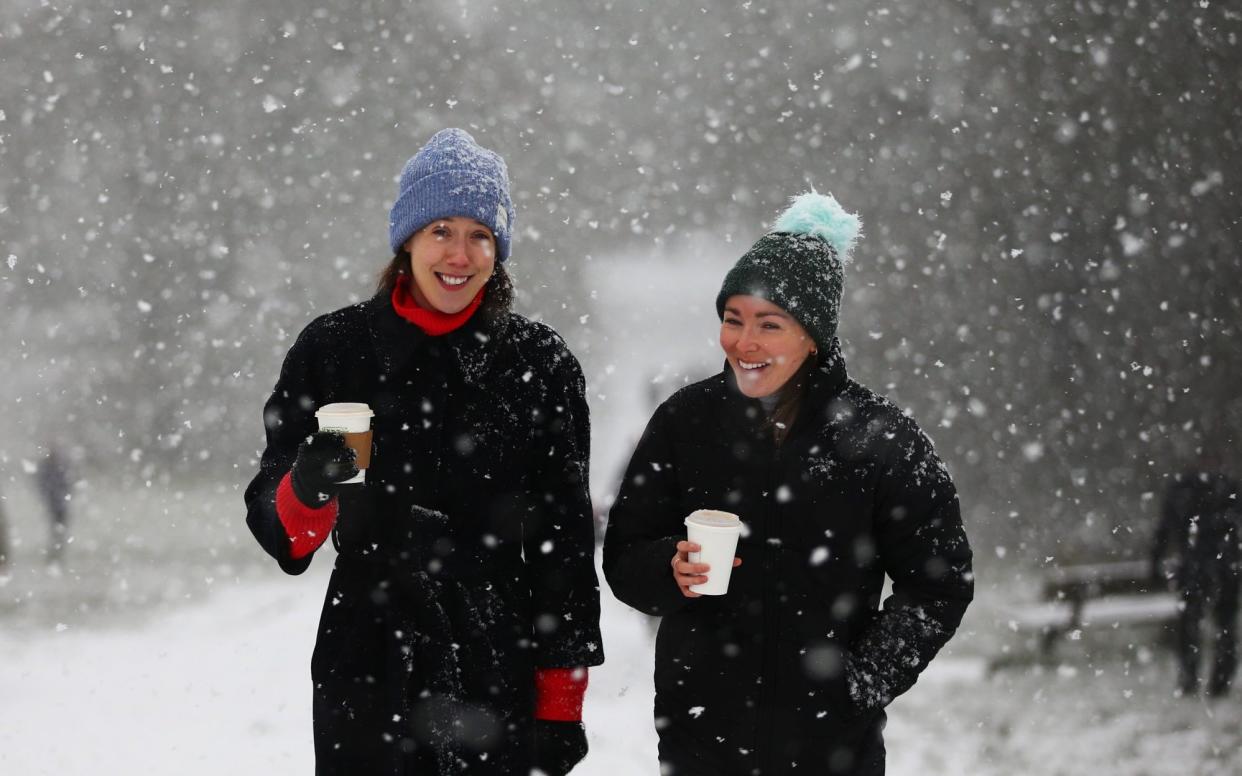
763 343
451 259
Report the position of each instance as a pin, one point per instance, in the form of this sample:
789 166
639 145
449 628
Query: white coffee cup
353 419
716 534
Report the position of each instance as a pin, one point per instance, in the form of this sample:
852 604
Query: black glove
559 746
323 463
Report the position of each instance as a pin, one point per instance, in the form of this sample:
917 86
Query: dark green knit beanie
800 265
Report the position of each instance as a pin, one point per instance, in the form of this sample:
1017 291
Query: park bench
1075 599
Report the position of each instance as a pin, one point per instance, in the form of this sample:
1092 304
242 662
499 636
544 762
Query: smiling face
450 260
763 343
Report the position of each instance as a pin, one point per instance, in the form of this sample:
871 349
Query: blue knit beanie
453 176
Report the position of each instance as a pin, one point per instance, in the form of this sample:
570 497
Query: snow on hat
800 264
453 176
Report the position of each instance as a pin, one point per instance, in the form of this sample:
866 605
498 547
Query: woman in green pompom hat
789 671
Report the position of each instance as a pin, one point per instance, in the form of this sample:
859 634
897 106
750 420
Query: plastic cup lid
345 408
710 518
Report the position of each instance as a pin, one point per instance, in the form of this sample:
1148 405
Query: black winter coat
1200 524
465 561
789 672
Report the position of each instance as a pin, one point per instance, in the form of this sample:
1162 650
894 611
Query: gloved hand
323 463
559 746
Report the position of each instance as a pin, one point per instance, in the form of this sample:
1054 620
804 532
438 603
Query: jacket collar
827 380
472 347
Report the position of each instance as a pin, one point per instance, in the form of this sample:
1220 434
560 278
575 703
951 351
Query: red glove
559 693
307 527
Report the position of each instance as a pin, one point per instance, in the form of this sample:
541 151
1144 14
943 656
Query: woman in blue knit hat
463 607
789 671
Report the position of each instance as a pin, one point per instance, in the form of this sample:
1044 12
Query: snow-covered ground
221 685
224 687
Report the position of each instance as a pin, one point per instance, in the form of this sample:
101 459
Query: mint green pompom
820 215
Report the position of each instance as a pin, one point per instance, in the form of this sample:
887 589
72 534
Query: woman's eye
482 236
772 326
732 322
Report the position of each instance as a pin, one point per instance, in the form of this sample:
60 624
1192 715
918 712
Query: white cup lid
711 518
345 408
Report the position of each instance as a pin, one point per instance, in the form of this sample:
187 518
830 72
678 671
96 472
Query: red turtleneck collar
433 322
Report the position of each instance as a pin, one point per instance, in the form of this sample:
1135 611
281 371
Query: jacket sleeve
644 525
923 548
289 417
558 528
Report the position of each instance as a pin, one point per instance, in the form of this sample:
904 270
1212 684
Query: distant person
1199 533
789 671
53 481
463 608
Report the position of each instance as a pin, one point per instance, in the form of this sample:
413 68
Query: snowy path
218 688
223 687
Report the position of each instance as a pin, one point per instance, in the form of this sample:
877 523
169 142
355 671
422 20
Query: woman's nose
456 252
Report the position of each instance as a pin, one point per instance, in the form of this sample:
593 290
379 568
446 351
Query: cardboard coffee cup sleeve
360 441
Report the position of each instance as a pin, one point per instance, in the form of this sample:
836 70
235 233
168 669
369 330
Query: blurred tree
1049 272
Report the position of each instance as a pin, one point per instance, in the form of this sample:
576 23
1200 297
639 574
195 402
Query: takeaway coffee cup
716 533
353 419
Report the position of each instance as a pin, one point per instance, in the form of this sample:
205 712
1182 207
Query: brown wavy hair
497 300
789 401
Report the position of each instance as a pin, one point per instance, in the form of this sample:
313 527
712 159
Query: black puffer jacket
465 561
789 672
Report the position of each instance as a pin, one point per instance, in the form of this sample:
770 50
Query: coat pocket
350 645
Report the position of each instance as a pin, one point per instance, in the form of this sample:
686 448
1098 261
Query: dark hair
497 301
789 399
400 265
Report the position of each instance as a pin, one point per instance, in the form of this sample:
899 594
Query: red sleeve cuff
559 693
306 527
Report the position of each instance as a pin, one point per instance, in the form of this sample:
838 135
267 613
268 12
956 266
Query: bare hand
686 573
